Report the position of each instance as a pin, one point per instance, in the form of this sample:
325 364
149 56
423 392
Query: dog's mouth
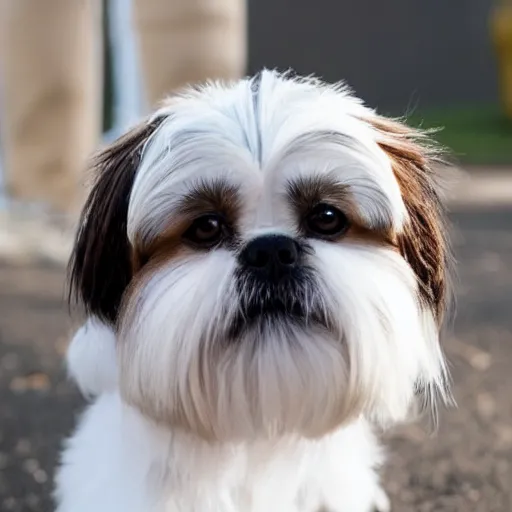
270 305
276 313
276 308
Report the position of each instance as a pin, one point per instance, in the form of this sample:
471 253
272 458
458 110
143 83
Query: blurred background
439 63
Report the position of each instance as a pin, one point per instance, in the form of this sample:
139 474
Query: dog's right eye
206 231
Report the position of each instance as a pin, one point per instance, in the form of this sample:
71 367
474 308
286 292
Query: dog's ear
100 267
423 241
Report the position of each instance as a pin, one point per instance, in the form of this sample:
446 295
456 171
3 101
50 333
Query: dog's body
117 460
264 266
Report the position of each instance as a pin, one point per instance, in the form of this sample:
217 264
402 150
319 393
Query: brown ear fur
100 265
423 242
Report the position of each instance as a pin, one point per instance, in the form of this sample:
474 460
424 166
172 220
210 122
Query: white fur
119 461
216 132
91 358
279 420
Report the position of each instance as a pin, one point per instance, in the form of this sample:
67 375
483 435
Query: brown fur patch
216 197
141 276
164 246
380 237
305 193
219 197
423 242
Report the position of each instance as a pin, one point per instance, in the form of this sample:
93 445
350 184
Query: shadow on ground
466 466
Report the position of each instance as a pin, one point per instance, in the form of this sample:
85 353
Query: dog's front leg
343 476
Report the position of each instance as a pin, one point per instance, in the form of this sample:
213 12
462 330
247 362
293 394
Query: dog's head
272 256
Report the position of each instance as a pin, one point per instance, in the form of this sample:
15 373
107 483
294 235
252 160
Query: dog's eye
207 230
326 221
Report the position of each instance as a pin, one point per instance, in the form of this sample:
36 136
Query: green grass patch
478 136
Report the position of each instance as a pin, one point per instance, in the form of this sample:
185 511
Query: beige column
50 75
188 41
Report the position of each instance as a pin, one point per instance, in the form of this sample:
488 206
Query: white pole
125 68
3 194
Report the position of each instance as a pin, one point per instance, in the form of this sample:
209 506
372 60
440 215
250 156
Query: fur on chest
117 460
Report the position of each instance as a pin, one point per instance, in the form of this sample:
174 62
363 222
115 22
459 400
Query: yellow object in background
501 27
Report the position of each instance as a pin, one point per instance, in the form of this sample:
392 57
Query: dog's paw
381 503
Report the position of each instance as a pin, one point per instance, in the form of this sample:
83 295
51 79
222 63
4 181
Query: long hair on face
417 162
100 266
168 310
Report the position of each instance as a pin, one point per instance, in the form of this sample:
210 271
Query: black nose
272 255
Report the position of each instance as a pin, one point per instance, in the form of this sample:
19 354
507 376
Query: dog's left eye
326 221
206 231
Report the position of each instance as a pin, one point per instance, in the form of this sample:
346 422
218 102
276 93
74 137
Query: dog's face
273 258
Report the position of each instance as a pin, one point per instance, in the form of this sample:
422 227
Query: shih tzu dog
264 266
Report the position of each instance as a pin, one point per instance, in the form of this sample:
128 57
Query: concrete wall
397 54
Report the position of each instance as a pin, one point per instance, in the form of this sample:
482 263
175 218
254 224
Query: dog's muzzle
275 286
